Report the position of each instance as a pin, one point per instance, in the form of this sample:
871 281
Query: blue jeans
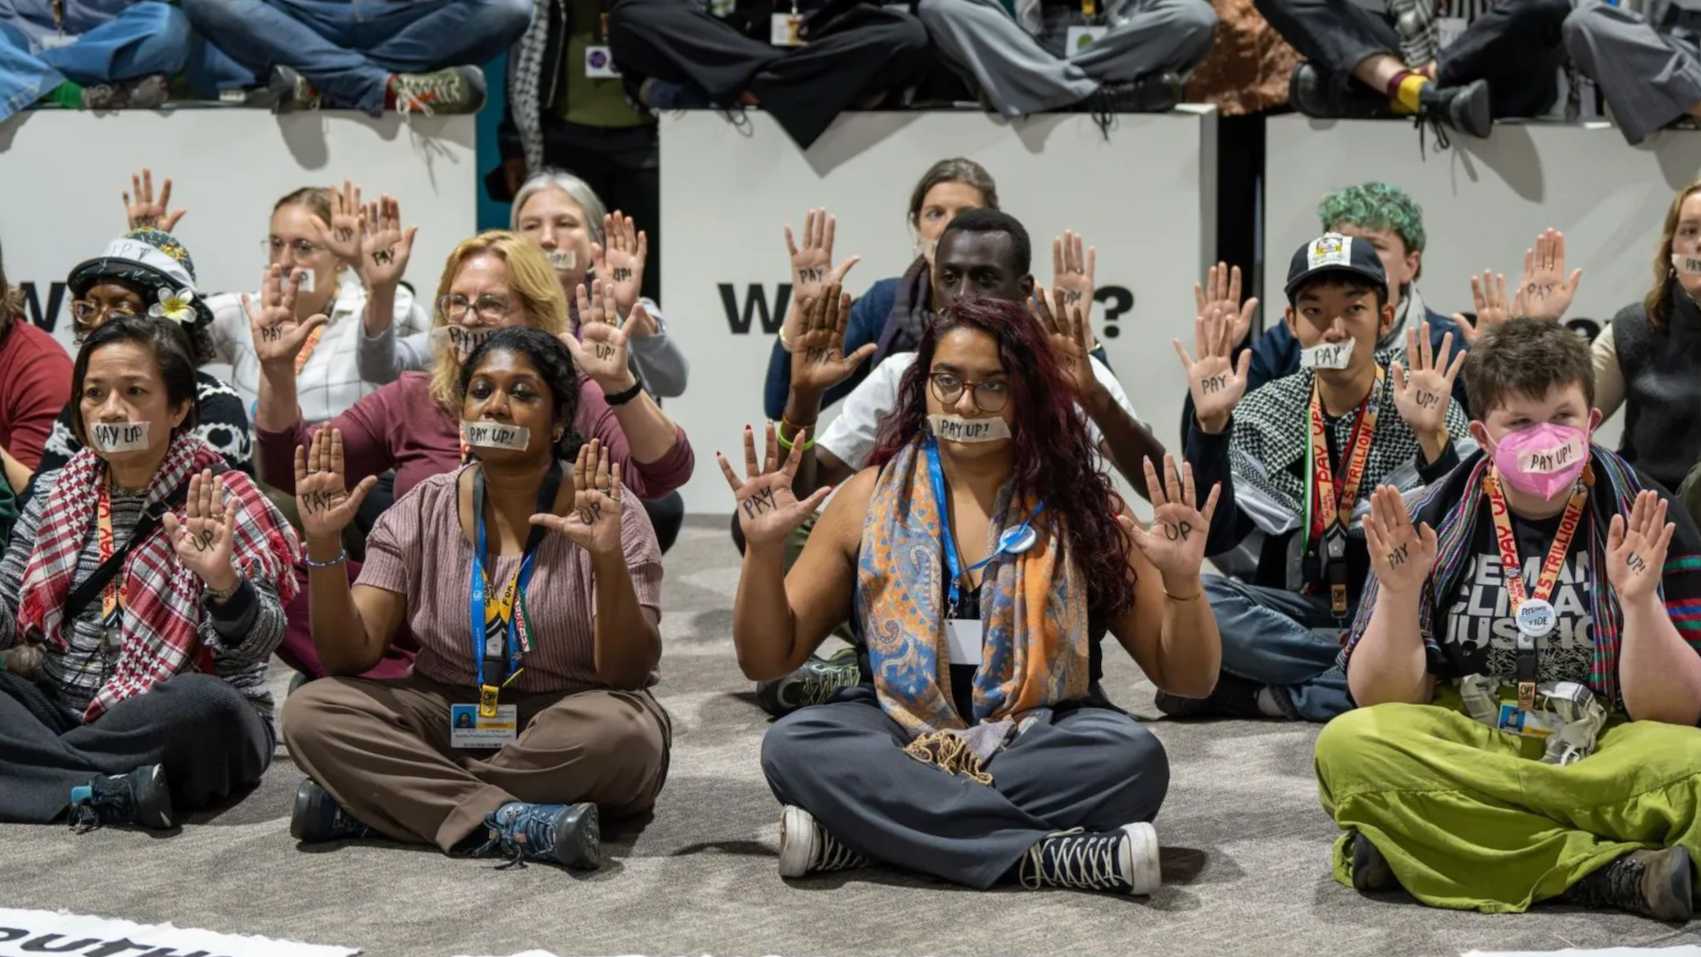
347 49
147 37
1286 641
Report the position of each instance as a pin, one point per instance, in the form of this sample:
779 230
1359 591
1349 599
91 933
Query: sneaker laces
1424 118
108 802
525 833
1618 885
1103 116
816 686
415 93
736 116
1075 859
830 855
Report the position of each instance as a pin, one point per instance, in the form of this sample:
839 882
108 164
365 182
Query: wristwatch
621 398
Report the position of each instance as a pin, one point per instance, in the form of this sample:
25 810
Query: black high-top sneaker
319 818
137 799
1123 861
806 847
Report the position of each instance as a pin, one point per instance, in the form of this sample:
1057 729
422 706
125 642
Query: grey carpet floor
1245 858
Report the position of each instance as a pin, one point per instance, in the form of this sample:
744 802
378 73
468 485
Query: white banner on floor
25 932
1145 199
1607 952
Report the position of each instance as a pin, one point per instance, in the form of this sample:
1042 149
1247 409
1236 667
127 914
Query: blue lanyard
528 564
1011 542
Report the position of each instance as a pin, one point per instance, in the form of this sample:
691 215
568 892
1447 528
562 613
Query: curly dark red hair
1054 457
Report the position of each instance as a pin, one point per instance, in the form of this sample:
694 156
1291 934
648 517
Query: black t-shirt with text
1477 631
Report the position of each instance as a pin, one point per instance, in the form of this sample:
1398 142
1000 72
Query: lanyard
504 636
313 338
1011 541
1534 611
113 597
1334 497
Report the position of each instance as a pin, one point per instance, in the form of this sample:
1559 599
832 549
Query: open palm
204 537
812 268
818 360
593 523
347 230
143 211
621 264
768 510
600 349
387 246
1636 550
1488 296
278 334
1422 394
1400 554
1175 542
1069 332
1546 292
321 490
1215 381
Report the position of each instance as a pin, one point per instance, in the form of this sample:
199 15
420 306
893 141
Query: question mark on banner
1118 301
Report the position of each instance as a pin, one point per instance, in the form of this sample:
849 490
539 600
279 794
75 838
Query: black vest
1662 388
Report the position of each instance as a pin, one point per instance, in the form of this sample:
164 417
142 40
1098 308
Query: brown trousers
382 749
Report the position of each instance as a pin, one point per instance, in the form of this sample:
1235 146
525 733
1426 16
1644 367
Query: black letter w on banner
45 321
755 301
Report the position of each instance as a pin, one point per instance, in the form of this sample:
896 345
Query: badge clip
1527 695
1338 599
487 701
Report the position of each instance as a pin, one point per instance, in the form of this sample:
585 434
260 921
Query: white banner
1484 201
1146 200
63 175
25 932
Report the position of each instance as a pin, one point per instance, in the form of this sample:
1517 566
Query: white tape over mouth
464 339
495 435
955 428
562 259
118 436
1327 355
309 280
1687 265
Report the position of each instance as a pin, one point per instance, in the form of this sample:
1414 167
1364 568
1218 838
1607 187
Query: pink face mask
1544 459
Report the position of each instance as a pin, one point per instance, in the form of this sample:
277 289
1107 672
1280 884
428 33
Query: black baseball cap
1335 253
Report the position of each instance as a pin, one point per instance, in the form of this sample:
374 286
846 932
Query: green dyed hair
1375 205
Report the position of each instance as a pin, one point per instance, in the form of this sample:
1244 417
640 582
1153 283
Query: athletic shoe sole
797 841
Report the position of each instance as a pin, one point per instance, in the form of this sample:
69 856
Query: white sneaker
806 847
1124 860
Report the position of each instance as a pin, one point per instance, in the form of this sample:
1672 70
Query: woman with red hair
980 558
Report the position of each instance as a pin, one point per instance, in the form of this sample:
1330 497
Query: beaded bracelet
342 556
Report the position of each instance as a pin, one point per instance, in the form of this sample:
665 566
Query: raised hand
1070 334
1545 292
386 245
812 268
1175 541
1400 554
1072 270
321 490
203 537
1636 551
348 224
621 265
768 511
818 360
278 335
1222 285
594 522
1215 381
1422 395
1488 296
141 209
600 349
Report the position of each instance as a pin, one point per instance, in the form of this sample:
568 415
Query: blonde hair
1658 303
535 290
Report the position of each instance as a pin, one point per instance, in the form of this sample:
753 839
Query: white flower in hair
178 306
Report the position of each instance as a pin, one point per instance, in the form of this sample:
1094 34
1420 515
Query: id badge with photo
1077 39
599 64
1527 724
963 638
469 730
786 30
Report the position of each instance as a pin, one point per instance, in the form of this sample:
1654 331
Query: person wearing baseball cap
1297 460
148 272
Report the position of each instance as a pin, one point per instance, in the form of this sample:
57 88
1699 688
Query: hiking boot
139 798
1464 108
660 96
292 92
1314 93
565 834
1371 873
1124 861
806 847
1656 884
455 89
1233 697
145 93
813 683
319 818
1153 93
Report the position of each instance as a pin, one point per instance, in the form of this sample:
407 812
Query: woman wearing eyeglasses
319 234
149 273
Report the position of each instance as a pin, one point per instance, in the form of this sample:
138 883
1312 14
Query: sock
390 92
66 94
1404 88
1267 703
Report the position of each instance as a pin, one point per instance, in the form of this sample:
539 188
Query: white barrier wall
1484 201
62 174
1146 200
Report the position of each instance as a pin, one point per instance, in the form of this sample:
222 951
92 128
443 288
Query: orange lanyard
112 597
1533 610
313 339
1335 498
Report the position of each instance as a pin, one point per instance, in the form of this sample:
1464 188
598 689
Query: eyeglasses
87 311
300 249
988 396
489 308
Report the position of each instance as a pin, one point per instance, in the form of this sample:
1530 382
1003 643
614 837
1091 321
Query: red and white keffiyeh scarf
159 637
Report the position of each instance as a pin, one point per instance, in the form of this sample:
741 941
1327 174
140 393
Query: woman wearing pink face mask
1530 735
